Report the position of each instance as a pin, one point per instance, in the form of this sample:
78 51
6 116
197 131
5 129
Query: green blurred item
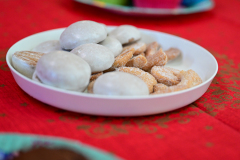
115 2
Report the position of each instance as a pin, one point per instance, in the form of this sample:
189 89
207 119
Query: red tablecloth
209 128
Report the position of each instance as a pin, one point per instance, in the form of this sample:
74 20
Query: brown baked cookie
25 62
164 75
159 87
188 79
95 76
137 61
159 58
152 48
90 87
123 58
139 47
172 53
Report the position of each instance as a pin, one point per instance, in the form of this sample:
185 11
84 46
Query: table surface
209 128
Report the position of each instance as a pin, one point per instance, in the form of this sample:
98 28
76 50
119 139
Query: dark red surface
206 129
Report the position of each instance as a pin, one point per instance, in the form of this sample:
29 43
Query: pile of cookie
88 58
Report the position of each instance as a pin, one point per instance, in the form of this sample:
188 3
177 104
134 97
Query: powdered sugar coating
159 87
164 75
139 47
123 58
189 79
152 48
175 71
171 89
157 59
192 76
172 53
48 46
113 44
82 32
119 83
126 34
97 56
138 61
63 70
25 62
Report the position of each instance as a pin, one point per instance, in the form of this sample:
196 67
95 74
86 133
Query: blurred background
31 17
207 129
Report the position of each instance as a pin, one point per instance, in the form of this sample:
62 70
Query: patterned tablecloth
209 128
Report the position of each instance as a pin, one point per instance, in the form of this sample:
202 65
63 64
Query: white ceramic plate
193 57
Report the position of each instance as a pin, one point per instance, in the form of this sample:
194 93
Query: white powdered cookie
120 83
82 32
48 46
113 44
97 56
126 34
63 70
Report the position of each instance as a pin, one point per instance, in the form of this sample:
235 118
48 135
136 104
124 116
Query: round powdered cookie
145 38
63 70
48 46
97 56
82 32
25 62
126 34
113 44
120 83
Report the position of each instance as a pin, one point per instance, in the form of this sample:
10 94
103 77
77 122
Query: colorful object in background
7 156
12 145
115 2
130 9
157 3
164 4
188 3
